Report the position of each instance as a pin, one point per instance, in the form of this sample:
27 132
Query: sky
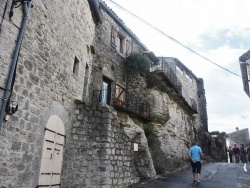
216 29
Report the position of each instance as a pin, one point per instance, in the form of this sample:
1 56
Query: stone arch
57 109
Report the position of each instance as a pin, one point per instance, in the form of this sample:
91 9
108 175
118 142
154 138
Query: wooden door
52 155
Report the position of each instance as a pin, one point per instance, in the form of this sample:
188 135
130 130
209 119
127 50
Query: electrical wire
171 38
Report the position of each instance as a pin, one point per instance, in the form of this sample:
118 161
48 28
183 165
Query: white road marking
245 167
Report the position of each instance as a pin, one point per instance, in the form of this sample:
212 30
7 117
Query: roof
240 130
114 16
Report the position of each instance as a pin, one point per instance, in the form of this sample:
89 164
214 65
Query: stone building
49 72
84 119
245 70
240 136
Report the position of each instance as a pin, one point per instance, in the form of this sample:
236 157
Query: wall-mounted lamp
11 108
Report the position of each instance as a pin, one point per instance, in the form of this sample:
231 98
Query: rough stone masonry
65 56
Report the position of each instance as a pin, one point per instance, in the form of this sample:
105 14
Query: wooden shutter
120 92
128 47
113 37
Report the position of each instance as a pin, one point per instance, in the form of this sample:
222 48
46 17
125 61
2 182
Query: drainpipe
26 8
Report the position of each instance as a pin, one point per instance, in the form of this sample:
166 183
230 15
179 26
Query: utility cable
171 38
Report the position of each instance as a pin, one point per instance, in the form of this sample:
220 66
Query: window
92 49
120 43
76 66
88 49
86 80
106 91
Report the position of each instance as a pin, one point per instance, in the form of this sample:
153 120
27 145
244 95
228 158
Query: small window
120 43
106 91
179 70
86 80
76 66
88 49
92 49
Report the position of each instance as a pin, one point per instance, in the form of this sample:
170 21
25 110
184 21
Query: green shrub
193 117
220 134
136 62
154 82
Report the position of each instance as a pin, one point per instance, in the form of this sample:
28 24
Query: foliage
137 62
154 82
160 85
220 134
150 133
193 117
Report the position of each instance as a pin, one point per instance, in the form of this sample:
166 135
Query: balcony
123 101
164 73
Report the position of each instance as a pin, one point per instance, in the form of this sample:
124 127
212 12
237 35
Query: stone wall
101 151
175 129
63 58
215 149
56 33
107 61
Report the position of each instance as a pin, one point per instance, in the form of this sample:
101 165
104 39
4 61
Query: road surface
213 175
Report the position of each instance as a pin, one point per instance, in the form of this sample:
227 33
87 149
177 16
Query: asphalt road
213 175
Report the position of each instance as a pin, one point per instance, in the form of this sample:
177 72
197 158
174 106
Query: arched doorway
52 156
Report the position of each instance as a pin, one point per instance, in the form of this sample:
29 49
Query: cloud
228 123
226 37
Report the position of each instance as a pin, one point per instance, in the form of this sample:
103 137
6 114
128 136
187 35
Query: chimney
237 128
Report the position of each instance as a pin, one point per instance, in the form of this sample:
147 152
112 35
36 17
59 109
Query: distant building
245 70
238 137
